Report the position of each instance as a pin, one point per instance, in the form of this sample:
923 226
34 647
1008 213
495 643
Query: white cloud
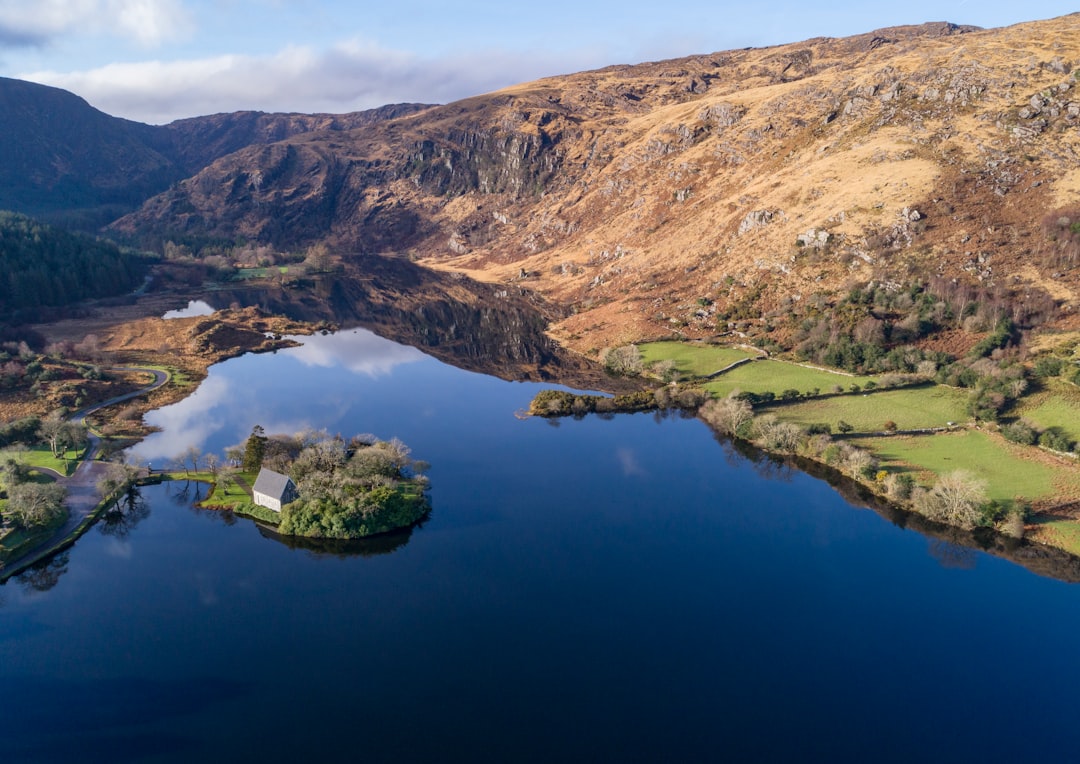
148 22
350 76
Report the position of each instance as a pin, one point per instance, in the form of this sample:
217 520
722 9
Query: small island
317 485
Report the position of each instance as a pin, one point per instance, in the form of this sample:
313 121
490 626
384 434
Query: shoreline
1035 555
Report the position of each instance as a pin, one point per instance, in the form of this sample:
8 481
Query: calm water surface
623 590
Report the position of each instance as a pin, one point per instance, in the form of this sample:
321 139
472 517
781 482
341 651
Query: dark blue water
623 590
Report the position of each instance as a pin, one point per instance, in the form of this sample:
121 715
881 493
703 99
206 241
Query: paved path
82 492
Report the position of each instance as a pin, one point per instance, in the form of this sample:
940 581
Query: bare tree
727 415
53 431
625 360
191 454
35 504
956 499
234 455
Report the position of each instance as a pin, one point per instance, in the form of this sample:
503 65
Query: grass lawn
236 499
1063 533
13 542
1006 468
777 376
693 359
230 496
912 408
41 456
1058 405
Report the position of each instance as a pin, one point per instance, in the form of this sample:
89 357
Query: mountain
198 141
697 194
63 158
61 154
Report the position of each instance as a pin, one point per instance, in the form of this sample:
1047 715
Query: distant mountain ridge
694 195
61 155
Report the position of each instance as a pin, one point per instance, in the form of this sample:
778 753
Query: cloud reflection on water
188 423
224 406
357 350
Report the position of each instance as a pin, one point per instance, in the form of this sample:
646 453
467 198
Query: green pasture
236 499
1063 533
1056 406
778 376
693 359
1001 464
42 456
911 408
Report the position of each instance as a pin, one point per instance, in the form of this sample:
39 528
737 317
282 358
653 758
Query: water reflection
188 423
358 350
313 376
384 543
465 323
105 720
44 575
122 517
194 308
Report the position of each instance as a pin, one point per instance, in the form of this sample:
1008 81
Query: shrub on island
355 489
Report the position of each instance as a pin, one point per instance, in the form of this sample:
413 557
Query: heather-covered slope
667 195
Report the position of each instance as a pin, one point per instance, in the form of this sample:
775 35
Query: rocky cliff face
198 141
663 196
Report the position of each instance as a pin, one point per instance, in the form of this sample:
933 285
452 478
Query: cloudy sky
159 60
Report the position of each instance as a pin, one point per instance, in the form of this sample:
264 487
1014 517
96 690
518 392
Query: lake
624 589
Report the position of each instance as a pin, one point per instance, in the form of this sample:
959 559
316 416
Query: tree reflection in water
384 543
120 519
44 575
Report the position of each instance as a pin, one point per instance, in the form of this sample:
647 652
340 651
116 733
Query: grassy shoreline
848 410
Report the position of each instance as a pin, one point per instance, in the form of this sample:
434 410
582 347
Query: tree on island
352 489
254 449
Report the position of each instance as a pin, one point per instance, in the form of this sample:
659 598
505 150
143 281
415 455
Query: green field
238 500
692 359
1063 533
778 376
41 456
1057 406
911 408
1002 465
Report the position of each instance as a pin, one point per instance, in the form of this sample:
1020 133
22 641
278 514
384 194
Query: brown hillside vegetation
657 197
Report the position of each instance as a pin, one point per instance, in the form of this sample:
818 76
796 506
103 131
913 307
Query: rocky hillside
61 154
197 142
61 157
701 194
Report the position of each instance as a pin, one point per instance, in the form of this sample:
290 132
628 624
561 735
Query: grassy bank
42 456
911 408
1008 469
232 497
1056 405
694 360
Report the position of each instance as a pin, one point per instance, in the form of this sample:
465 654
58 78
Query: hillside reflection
493 329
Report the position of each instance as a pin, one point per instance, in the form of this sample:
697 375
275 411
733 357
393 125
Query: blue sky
158 60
